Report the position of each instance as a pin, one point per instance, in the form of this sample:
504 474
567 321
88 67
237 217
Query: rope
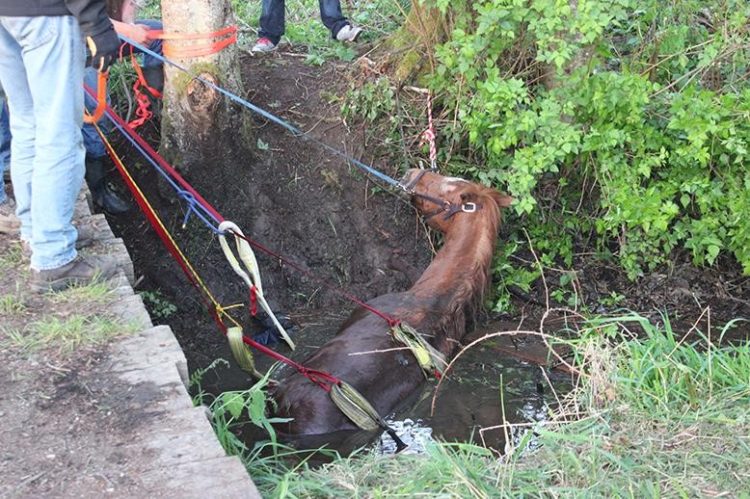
199 47
343 395
269 116
428 135
142 111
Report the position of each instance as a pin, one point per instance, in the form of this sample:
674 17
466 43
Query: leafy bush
637 111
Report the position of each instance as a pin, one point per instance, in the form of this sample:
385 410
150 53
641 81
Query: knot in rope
191 203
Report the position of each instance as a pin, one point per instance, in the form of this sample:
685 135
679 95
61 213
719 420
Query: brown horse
438 305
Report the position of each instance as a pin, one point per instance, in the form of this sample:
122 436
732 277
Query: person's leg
331 15
9 222
46 120
4 145
21 124
96 154
272 22
153 69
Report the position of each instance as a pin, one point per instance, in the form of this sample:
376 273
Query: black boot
154 76
104 197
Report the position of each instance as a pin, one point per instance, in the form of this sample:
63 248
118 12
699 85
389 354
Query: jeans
272 18
91 140
41 71
4 145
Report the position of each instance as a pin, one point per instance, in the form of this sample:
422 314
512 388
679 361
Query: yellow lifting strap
428 357
356 407
241 352
247 257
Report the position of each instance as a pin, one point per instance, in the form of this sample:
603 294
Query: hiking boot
348 33
79 272
108 200
9 222
263 45
103 196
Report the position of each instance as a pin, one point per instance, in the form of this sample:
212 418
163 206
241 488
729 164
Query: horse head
440 199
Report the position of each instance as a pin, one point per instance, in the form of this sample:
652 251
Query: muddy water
485 388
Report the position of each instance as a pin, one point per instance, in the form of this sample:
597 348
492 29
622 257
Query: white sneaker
263 45
348 33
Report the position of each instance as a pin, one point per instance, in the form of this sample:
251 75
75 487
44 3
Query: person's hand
104 48
140 34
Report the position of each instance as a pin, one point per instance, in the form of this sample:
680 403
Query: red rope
392 321
160 160
142 111
320 378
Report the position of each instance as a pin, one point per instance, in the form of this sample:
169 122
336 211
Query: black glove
104 49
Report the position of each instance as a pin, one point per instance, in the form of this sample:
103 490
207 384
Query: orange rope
101 99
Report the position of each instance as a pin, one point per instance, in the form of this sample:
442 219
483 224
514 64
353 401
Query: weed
11 304
159 306
12 257
96 292
200 397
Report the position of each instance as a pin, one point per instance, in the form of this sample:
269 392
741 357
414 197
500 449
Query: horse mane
467 301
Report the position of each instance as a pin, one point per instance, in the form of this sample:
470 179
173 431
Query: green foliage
159 306
371 101
646 101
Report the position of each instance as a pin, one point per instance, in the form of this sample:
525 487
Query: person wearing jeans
272 23
9 223
42 61
153 71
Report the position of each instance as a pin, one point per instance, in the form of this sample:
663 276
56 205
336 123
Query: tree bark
413 45
200 125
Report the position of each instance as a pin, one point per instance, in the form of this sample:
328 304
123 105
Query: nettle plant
638 109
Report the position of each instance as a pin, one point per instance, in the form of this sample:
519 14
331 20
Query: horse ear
502 200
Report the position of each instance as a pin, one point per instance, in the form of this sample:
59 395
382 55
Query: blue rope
193 206
294 130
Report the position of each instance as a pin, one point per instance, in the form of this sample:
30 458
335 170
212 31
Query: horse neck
458 274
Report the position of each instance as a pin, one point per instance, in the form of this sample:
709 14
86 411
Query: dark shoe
108 200
9 222
79 272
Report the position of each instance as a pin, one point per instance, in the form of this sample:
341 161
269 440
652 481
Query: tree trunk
200 125
413 45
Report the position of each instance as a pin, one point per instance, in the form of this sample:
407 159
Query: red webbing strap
392 321
160 161
253 301
320 378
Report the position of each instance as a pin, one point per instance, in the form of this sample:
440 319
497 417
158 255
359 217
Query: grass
66 335
95 293
658 414
11 304
11 257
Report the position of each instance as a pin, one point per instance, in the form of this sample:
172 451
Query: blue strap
294 130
